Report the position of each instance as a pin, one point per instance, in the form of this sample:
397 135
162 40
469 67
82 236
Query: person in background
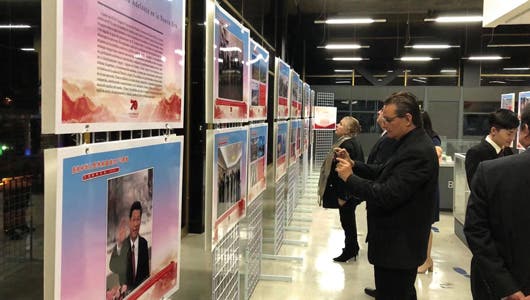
399 198
503 126
427 126
332 190
497 224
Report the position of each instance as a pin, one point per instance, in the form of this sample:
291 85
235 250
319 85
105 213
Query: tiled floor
318 277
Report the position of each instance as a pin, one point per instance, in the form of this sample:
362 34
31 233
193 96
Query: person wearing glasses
497 224
399 198
503 126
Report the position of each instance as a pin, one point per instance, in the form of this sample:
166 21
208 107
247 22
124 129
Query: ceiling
404 26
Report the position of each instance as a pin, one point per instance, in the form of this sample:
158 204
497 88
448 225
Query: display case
461 195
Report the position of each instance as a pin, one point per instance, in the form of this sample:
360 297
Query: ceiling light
448 71
343 71
27 49
507 45
342 81
498 81
14 26
422 78
348 58
432 46
455 19
390 71
415 58
343 46
349 21
419 80
516 69
486 57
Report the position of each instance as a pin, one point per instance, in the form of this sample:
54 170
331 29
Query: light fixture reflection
348 58
455 19
343 21
15 26
416 58
486 57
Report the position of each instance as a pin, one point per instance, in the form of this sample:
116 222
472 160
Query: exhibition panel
112 65
257 160
306 107
281 149
259 81
102 200
523 101
295 95
281 89
508 101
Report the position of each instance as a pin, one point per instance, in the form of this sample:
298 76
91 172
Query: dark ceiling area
386 42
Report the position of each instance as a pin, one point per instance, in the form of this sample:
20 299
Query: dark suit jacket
382 150
497 227
399 200
478 153
336 187
121 264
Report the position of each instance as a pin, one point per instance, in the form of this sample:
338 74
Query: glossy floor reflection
318 277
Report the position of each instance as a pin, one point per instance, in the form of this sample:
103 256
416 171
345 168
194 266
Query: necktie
132 262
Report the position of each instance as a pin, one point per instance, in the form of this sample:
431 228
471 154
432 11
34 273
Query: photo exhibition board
230 77
312 109
112 65
299 133
306 111
294 141
281 89
259 81
101 196
228 158
257 177
281 149
508 101
295 95
325 118
524 97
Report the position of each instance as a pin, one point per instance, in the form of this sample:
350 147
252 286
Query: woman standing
427 125
332 190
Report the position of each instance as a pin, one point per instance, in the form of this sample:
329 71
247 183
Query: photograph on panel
229 176
129 231
230 62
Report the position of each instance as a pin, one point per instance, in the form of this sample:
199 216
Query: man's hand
342 153
122 232
517 296
344 168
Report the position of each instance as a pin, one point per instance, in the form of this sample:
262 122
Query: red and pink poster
281 89
259 81
257 178
295 95
112 65
325 118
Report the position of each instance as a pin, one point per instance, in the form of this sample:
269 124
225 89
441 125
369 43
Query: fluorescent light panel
343 71
342 21
14 26
486 57
448 71
455 19
507 45
416 58
344 46
516 69
343 81
419 80
432 46
348 58
27 49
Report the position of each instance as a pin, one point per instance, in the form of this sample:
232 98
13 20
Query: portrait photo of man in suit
130 256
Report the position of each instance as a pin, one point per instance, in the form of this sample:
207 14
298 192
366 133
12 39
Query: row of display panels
508 102
237 160
119 65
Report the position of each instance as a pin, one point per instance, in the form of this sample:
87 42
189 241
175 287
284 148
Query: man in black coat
399 198
503 126
130 257
497 226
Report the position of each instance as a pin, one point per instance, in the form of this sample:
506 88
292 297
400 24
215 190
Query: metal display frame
225 267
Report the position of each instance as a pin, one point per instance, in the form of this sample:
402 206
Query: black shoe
345 256
370 292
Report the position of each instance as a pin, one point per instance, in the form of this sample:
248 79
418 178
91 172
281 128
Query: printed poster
305 136
306 112
295 99
112 200
524 97
259 82
281 146
325 118
312 109
295 149
508 101
230 69
117 64
229 179
258 160
281 89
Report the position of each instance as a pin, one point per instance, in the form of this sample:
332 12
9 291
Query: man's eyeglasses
390 119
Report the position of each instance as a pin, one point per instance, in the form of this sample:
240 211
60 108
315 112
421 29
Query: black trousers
395 284
348 223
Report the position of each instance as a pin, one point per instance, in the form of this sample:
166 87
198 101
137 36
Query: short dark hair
503 119
135 206
406 103
525 115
